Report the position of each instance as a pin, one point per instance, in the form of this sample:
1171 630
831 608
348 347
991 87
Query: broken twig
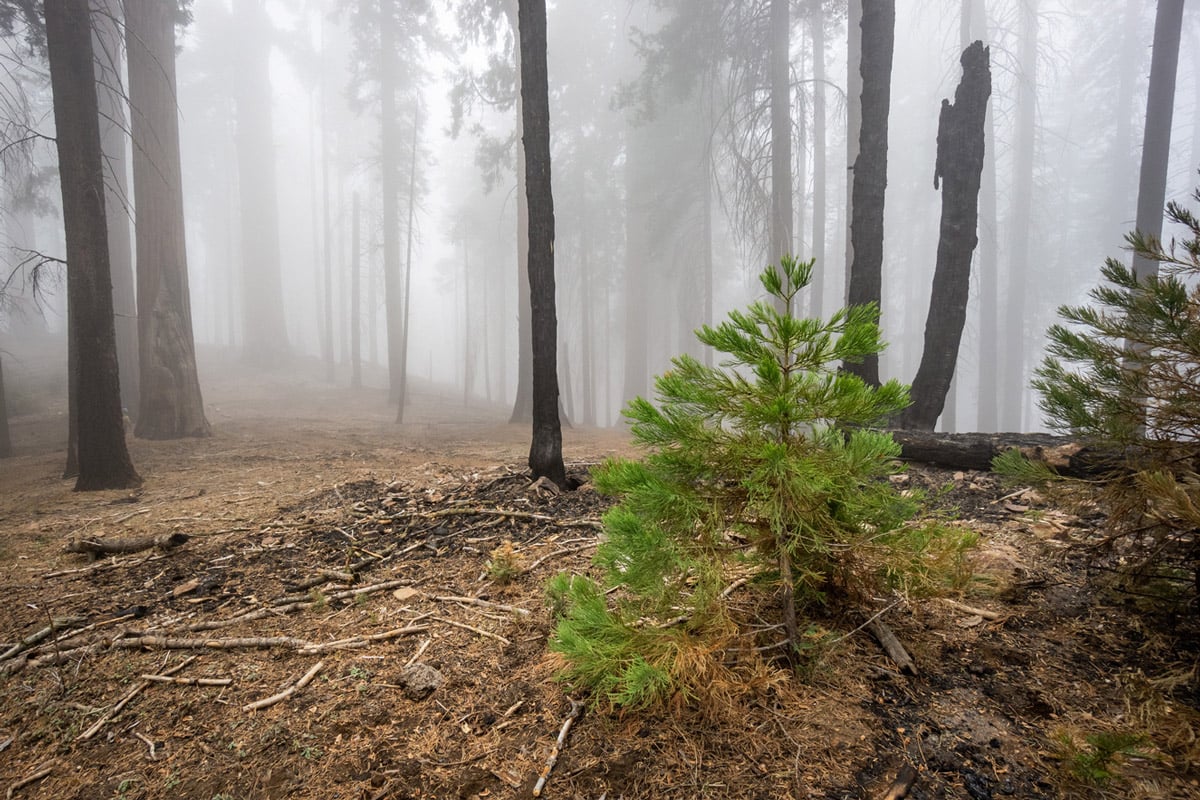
576 707
286 693
124 701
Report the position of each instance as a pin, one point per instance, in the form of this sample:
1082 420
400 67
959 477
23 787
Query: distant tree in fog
170 405
959 168
103 459
545 451
870 168
1156 143
264 331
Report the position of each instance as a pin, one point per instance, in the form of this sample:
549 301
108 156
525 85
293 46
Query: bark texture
959 168
170 404
870 168
975 451
103 459
545 451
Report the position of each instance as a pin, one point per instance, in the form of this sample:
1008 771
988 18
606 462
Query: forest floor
302 483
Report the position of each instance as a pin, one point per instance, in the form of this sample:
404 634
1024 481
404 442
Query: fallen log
975 451
94 548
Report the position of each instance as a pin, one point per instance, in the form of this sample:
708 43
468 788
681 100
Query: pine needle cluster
1125 374
762 472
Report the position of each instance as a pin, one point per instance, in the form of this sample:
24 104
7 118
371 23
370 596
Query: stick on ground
286 693
558 746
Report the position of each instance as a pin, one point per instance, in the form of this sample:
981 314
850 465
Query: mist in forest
351 192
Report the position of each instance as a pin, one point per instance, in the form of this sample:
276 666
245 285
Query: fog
662 178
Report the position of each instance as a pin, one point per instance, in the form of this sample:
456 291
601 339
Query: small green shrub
763 471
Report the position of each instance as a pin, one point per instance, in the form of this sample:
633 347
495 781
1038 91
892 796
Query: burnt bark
545 451
870 167
170 403
975 451
103 459
959 168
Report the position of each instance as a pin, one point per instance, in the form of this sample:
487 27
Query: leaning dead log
94 548
975 451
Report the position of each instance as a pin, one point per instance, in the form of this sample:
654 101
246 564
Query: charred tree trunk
264 331
959 167
975 451
545 451
103 458
870 168
170 405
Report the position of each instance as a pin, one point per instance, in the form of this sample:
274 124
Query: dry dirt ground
327 542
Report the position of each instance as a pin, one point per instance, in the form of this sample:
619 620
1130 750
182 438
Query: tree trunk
870 168
781 131
545 451
636 250
170 405
327 237
523 404
1156 142
1020 220
113 139
854 87
819 157
5 438
408 265
264 331
390 145
975 451
103 458
355 300
959 166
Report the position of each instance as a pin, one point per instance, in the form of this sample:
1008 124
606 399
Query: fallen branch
244 642
363 641
102 565
42 772
558 745
475 601
187 681
98 547
475 511
480 631
286 693
966 609
124 701
150 744
33 638
895 650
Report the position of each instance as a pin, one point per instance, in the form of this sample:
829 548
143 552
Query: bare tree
104 461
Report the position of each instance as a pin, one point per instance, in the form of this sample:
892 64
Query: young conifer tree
762 471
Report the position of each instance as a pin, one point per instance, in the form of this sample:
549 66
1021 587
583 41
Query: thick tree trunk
1156 142
781 131
870 168
545 451
959 167
170 404
113 139
264 331
103 458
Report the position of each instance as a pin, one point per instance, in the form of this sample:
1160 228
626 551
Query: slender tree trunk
587 365
854 89
171 405
103 458
389 156
781 131
264 331
820 281
545 450
523 404
1156 142
960 144
1020 220
355 300
408 265
327 236
870 168
5 438
113 138
636 248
